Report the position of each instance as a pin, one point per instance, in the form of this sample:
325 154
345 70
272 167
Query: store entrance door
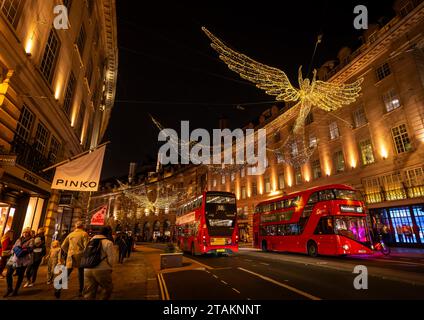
6 218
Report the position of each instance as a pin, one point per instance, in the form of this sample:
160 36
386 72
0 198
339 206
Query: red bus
208 224
327 220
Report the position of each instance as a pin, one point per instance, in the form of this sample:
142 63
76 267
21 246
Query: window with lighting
401 139
359 117
391 100
367 153
316 169
223 179
339 162
383 71
214 183
298 175
254 189
243 193
281 182
233 177
11 9
267 185
51 53
334 131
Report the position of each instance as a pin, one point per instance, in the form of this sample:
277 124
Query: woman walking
39 252
20 259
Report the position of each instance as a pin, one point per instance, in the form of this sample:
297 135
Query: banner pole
74 157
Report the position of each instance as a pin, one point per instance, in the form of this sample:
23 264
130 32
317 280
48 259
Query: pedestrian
100 274
52 260
407 233
5 250
122 247
20 259
39 251
399 233
73 247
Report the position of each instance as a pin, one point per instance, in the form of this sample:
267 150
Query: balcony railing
31 159
406 192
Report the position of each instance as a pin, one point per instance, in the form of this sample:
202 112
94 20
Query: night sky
168 69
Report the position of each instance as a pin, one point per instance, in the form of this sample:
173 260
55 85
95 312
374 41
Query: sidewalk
134 280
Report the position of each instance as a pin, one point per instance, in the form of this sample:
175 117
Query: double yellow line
162 286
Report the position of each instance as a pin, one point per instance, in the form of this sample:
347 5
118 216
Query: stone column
51 216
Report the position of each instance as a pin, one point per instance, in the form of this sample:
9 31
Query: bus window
343 194
313 198
325 226
326 195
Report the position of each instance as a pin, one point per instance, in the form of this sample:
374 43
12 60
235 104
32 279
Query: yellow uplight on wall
30 43
383 152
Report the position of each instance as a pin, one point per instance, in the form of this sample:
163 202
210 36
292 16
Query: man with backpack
98 260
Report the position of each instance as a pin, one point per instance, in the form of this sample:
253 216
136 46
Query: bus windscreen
220 214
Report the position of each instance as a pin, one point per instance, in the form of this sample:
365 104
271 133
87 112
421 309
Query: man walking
100 275
73 247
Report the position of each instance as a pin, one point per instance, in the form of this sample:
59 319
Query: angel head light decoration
324 95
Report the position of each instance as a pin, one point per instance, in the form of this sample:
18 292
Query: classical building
57 89
149 223
375 144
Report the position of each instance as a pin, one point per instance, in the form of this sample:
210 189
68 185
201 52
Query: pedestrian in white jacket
101 275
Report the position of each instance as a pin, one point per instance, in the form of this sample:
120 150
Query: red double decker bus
327 220
208 224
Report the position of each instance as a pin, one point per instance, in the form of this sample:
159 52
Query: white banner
82 174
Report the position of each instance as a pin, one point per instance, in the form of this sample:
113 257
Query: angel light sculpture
324 95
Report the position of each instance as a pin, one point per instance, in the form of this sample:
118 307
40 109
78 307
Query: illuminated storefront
405 224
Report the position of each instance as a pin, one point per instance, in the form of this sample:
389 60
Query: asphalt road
256 275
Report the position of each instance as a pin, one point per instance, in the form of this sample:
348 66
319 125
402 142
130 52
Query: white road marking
236 290
224 282
300 292
265 264
215 276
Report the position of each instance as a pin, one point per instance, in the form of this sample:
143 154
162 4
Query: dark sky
168 69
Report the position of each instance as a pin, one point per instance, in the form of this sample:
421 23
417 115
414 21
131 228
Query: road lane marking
215 276
236 290
224 282
202 264
300 292
265 264
164 289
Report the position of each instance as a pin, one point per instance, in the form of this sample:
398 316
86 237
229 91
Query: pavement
135 279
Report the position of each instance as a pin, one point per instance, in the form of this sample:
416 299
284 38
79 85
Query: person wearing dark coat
38 253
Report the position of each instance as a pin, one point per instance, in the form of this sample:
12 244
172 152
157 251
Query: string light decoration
327 96
164 200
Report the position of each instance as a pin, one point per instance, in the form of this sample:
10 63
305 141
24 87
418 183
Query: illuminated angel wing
329 96
274 81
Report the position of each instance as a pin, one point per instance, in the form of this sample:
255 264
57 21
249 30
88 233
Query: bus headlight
345 247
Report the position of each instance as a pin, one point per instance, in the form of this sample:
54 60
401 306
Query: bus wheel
264 246
312 249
